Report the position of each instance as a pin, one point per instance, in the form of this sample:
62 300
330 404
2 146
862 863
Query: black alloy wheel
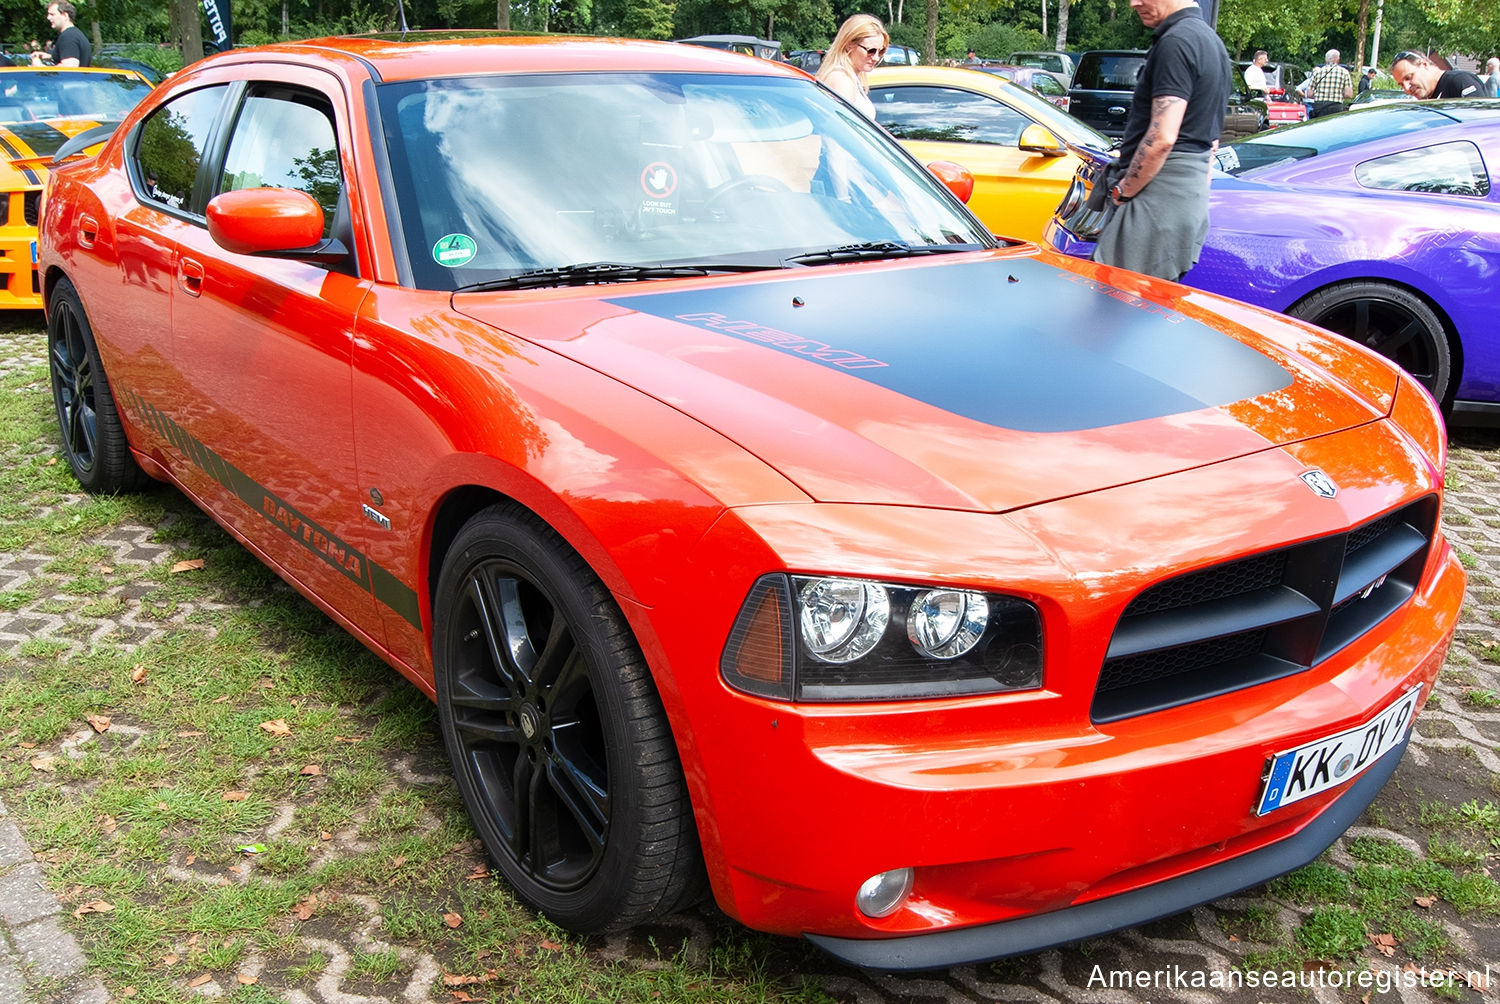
93 438
558 740
1391 320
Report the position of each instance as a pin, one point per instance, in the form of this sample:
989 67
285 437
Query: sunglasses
873 53
1409 56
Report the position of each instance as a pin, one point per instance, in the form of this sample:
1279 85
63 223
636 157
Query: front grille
33 208
1261 617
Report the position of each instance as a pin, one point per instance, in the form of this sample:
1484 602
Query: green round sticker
454 250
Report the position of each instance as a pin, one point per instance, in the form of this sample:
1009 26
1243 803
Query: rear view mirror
1040 139
955 177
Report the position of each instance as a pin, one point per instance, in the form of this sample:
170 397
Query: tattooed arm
1161 136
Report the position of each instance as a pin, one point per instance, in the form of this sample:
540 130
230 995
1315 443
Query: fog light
882 895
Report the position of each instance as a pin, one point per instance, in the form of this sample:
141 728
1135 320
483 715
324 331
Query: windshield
502 175
53 94
1308 139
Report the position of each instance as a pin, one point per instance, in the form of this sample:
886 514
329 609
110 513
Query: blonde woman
856 50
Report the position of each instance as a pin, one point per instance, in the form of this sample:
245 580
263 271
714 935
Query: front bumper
1030 934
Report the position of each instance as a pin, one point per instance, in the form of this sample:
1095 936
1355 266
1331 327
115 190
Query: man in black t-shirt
1159 187
1422 78
72 47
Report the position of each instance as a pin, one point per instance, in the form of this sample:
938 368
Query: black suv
1104 86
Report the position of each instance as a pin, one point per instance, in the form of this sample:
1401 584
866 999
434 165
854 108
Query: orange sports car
758 522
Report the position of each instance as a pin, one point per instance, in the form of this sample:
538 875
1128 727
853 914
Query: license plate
1329 762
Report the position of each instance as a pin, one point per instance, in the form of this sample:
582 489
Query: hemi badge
377 517
1321 484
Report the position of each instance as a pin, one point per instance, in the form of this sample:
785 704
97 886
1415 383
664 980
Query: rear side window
946 115
284 138
1446 169
171 145
1108 72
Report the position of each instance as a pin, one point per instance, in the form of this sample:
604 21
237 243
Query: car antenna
401 15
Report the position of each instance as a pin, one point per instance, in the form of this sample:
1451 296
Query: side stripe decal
347 560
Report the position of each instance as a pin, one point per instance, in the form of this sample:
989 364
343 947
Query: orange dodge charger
759 522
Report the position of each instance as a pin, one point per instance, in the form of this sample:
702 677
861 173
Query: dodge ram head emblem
1320 483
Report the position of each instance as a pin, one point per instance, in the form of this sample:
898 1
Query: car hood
985 381
26 148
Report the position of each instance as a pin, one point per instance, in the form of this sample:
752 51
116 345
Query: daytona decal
386 588
1013 343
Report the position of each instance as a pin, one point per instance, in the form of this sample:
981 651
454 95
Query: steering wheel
751 182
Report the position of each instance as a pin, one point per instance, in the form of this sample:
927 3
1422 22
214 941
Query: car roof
426 55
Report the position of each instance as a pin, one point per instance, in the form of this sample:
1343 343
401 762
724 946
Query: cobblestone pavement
41 962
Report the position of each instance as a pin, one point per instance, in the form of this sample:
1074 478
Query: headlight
831 638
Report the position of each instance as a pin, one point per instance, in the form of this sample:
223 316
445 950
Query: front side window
1447 169
946 115
502 175
284 138
170 146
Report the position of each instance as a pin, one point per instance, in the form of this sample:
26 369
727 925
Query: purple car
1382 225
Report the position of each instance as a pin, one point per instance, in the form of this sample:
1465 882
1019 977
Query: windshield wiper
874 251
591 272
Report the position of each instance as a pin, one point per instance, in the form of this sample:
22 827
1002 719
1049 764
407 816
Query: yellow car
41 108
1013 141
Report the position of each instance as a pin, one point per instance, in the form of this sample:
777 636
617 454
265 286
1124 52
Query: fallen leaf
482 872
44 763
198 981
246 980
191 858
1425 902
347 739
312 769
1476 980
552 946
128 992
99 722
398 860
453 919
170 959
1385 944
108 824
325 835
95 906
51 462
460 995
187 565
192 939
138 673
236 869
188 735
234 796
279 727
456 980
304 909
162 806
221 700
267 683
27 744
106 569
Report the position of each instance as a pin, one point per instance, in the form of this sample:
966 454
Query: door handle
190 276
88 230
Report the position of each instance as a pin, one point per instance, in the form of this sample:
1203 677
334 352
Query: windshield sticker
454 250
1228 158
659 182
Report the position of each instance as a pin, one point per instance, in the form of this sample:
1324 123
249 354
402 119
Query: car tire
561 749
1393 321
93 438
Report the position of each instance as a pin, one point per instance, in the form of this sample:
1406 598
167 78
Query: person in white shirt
1255 73
1492 78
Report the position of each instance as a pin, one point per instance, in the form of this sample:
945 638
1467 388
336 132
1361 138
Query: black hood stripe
1013 343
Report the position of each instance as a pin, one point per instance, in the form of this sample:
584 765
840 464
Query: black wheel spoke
487 730
561 670
584 798
538 845
1388 340
520 834
490 609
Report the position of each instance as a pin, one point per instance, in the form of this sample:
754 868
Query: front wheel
559 743
1393 321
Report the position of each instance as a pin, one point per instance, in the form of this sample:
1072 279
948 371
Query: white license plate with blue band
1326 763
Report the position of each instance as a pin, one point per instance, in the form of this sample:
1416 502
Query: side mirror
281 222
955 177
1039 139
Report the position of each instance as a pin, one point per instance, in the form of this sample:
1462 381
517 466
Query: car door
263 408
1015 191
